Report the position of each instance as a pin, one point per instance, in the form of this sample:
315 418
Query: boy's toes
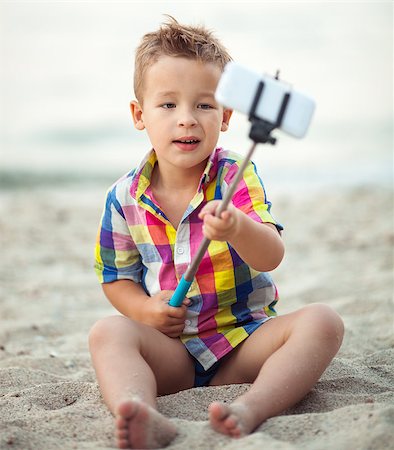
227 419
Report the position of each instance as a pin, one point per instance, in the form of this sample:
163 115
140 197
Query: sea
66 72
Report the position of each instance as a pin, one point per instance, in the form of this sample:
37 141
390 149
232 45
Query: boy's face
179 112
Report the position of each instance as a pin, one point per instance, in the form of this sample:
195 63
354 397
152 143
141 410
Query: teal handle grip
180 292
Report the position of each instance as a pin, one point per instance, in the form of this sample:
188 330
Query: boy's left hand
221 228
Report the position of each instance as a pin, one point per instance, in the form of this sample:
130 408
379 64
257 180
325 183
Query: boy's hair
174 39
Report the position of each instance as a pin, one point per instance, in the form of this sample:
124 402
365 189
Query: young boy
154 219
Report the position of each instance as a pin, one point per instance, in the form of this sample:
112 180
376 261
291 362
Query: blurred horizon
66 84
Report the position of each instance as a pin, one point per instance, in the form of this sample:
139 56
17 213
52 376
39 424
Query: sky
66 83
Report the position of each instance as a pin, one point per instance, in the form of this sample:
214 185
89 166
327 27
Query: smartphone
238 87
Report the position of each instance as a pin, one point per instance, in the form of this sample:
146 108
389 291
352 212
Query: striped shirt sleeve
116 255
250 196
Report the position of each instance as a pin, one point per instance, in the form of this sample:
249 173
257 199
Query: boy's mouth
191 140
187 143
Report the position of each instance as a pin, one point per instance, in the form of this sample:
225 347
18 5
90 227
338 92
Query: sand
339 251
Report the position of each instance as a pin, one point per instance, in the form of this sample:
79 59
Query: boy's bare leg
285 357
134 362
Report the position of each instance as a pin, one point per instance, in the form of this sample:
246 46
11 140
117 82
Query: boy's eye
205 106
168 105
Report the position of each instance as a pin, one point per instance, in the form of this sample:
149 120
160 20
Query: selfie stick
260 133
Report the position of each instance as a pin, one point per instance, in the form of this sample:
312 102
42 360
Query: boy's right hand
158 314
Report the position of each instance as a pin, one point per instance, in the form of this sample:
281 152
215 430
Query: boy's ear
136 114
226 119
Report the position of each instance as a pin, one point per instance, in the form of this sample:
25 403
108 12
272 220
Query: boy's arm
258 244
131 300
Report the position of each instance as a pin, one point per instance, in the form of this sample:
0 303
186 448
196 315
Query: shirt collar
210 170
143 174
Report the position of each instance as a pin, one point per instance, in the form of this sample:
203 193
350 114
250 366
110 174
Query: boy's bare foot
233 420
140 426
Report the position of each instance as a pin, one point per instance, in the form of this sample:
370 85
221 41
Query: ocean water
66 83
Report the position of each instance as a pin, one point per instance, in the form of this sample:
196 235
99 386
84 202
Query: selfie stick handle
259 133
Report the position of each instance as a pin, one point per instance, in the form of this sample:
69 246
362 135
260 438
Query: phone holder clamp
260 131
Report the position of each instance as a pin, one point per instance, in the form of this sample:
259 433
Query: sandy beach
339 251
65 87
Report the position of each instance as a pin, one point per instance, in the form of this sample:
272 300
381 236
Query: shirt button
188 322
180 250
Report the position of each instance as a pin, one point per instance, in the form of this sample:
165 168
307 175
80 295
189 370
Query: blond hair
174 39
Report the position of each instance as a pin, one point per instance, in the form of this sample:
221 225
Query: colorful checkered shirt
136 241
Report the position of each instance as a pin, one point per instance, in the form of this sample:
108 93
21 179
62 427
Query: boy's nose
186 119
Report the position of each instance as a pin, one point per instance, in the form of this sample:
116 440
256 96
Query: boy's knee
107 329
326 321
